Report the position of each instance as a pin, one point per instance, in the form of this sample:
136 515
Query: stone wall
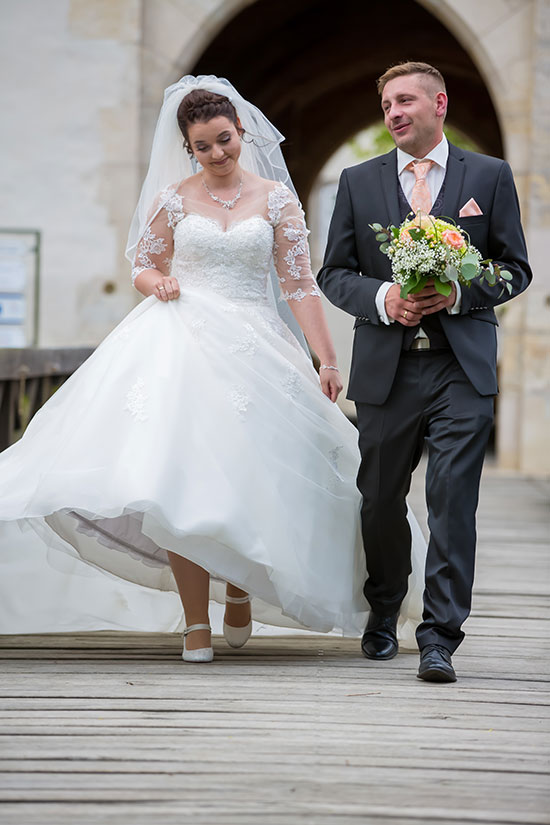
71 87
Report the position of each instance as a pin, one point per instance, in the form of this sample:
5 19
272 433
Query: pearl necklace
226 204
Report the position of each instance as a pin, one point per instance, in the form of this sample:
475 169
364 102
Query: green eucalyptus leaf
421 281
451 273
506 275
470 260
468 270
376 227
443 289
382 236
384 248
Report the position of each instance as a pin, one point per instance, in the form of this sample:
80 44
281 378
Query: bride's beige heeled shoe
237 636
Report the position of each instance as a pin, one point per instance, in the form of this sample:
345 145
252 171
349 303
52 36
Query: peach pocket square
469 209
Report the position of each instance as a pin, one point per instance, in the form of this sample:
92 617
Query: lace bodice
232 259
234 262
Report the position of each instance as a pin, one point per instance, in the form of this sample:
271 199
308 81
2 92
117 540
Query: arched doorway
311 67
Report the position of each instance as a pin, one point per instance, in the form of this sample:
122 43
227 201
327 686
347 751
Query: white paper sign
12 275
11 245
12 309
12 336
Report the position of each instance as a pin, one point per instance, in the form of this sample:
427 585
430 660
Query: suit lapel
453 183
388 182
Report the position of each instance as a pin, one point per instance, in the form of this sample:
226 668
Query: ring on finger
405 314
159 288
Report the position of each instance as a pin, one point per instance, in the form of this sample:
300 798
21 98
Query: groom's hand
429 300
409 311
403 310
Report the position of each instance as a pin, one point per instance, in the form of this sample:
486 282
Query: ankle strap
237 599
193 627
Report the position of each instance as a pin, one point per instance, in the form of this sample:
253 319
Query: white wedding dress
198 426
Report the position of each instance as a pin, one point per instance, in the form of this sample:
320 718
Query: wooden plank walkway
112 727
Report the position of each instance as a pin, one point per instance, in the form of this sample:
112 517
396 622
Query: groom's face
414 111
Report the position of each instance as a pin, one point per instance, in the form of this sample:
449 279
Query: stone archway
313 72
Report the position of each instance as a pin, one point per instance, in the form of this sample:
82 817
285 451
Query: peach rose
423 221
453 238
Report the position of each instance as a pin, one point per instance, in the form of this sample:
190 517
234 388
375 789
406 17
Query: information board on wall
19 265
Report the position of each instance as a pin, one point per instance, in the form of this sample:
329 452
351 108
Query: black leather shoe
380 637
436 664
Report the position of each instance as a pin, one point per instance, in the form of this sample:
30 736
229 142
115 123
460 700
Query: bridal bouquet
425 249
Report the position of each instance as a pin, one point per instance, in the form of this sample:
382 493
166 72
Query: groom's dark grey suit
443 396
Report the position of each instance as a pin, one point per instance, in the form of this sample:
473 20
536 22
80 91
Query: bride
198 446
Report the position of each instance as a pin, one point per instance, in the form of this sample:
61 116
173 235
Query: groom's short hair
407 67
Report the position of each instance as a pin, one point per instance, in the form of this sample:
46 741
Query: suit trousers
431 402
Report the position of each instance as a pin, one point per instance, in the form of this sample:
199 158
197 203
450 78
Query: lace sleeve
290 248
156 246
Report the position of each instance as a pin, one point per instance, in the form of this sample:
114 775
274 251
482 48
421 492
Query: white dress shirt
434 180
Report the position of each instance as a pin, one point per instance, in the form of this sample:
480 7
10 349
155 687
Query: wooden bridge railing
28 377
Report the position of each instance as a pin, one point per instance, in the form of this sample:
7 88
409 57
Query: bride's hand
167 288
331 383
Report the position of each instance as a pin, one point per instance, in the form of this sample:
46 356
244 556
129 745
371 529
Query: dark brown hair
200 106
411 67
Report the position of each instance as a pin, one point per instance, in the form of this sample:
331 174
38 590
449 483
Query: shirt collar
439 155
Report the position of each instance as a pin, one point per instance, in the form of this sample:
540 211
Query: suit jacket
354 268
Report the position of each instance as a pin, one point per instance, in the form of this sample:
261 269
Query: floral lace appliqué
276 200
136 399
299 294
173 204
297 234
150 244
334 458
196 327
240 400
248 343
292 383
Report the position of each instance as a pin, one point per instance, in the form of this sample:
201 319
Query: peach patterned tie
421 200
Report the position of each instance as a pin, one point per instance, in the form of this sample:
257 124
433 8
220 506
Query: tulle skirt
198 427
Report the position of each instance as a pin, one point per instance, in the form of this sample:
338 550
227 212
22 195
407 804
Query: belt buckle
421 343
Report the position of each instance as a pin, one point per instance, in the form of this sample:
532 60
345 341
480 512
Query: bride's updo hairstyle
200 106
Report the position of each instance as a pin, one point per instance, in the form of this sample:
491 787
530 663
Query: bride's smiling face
216 145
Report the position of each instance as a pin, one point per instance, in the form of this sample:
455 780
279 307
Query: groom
423 368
